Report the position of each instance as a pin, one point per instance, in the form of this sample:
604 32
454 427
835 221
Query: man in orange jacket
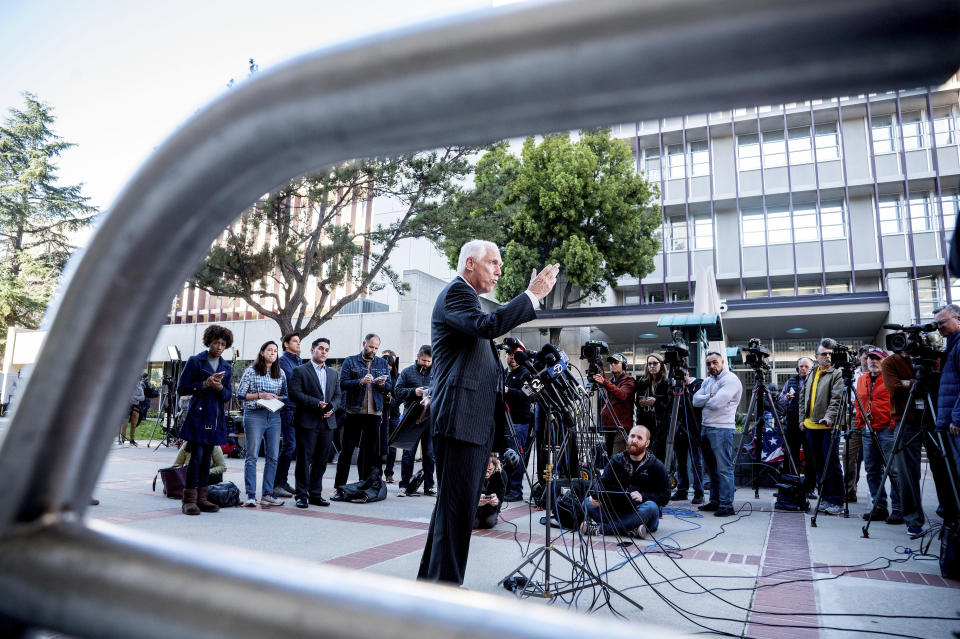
875 400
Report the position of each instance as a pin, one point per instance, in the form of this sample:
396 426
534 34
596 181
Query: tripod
758 396
939 452
844 412
681 400
167 406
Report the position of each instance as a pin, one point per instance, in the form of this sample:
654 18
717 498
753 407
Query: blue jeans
822 456
515 480
260 424
718 455
288 446
873 461
647 513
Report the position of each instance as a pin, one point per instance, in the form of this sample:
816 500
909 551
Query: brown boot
189 506
203 503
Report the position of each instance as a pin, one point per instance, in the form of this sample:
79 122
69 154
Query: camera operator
819 405
521 412
132 415
876 402
638 473
618 407
789 399
653 403
412 383
948 401
853 451
687 442
719 396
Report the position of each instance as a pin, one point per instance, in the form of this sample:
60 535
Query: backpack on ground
225 494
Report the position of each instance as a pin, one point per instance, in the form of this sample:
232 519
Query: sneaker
430 492
280 491
133 443
877 514
389 479
725 511
710 506
250 503
831 509
269 500
697 499
915 531
895 518
402 492
589 529
640 532
679 495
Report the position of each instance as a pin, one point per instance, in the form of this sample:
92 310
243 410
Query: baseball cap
877 352
617 357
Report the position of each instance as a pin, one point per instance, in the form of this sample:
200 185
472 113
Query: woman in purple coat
206 379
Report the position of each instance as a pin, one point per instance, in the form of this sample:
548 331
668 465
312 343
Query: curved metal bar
109 585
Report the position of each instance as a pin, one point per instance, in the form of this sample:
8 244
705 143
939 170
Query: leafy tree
37 215
313 250
580 204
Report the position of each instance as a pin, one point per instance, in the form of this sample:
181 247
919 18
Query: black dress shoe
709 506
679 495
301 502
878 514
319 501
725 511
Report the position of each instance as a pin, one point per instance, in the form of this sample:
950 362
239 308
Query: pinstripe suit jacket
466 369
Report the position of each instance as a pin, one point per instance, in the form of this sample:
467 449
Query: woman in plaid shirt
263 380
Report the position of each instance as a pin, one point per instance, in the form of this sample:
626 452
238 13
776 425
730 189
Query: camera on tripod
593 351
912 339
676 355
754 355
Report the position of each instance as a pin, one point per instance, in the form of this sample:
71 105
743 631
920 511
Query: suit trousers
460 469
362 430
312 449
288 446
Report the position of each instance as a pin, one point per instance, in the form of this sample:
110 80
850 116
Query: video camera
754 355
593 351
675 354
842 357
912 339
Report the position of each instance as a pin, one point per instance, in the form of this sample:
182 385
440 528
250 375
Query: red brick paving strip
786 549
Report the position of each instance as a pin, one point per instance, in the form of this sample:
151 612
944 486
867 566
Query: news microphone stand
540 560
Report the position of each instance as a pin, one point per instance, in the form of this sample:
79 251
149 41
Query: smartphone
220 374
379 378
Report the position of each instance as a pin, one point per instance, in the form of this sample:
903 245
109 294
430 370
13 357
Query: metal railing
469 80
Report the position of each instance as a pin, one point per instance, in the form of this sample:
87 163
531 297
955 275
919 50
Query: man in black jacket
465 395
637 473
521 413
687 442
410 388
315 389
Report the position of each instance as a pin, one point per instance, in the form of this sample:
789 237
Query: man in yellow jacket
818 415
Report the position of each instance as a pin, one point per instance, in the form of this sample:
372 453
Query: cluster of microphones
546 373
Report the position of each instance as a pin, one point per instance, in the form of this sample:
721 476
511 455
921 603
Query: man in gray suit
464 397
315 389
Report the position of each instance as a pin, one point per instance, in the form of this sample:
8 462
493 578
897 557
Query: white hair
475 249
953 309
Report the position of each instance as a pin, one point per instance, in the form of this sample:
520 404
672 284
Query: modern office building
823 218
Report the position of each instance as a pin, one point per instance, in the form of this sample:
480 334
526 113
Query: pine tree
37 215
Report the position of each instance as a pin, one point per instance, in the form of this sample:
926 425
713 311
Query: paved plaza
705 570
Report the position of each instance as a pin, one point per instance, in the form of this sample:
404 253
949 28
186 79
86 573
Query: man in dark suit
464 396
315 389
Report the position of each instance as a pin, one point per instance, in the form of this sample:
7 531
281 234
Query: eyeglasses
653 363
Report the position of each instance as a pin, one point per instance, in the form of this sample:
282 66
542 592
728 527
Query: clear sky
122 75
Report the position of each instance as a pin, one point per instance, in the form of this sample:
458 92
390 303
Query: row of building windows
779 226
916 130
802 145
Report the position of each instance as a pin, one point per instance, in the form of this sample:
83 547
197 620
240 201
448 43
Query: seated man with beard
629 493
